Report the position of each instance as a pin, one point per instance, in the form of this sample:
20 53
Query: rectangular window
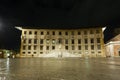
30 41
98 40
60 33
53 41
66 47
35 47
66 41
29 52
25 32
72 33
73 47
41 47
53 47
47 41
53 33
41 41
24 47
97 31
79 33
35 41
85 32
41 52
48 33
42 33
86 47
47 47
72 41
79 41
91 31
79 47
92 47
66 33
35 32
34 52
24 41
92 40
23 52
99 47
29 47
86 41
30 32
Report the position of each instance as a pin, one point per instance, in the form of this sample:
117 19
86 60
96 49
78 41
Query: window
85 32
97 31
41 52
53 33
92 52
79 41
72 33
35 47
99 52
92 47
24 47
99 47
23 52
30 32
60 33
29 52
91 31
47 47
35 32
79 47
34 52
73 47
92 40
66 47
41 41
29 47
86 47
41 47
66 33
86 41
66 41
25 32
72 41
47 41
59 40
98 40
53 41
42 33
48 33
79 33
53 47
24 41
30 41
35 41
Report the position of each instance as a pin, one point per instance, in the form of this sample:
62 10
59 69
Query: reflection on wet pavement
60 69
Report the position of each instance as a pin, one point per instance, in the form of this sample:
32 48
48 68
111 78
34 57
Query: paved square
60 69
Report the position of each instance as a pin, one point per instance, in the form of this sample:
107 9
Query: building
113 47
84 42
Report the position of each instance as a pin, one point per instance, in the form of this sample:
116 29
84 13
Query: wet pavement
60 69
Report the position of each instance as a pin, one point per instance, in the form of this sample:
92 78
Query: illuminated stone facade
86 42
113 47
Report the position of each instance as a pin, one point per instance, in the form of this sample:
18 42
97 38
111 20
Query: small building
83 42
113 47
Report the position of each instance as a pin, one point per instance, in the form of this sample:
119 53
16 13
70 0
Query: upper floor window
48 33
60 33
98 40
66 47
79 33
35 32
85 32
29 47
97 31
72 33
72 41
24 41
66 33
86 41
24 47
53 41
66 41
92 40
30 41
91 31
42 33
86 47
41 41
53 33
35 47
30 32
25 32
35 41
79 41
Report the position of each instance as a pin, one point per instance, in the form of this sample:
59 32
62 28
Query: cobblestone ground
60 69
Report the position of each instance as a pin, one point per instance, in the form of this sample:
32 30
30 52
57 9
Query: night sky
54 14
